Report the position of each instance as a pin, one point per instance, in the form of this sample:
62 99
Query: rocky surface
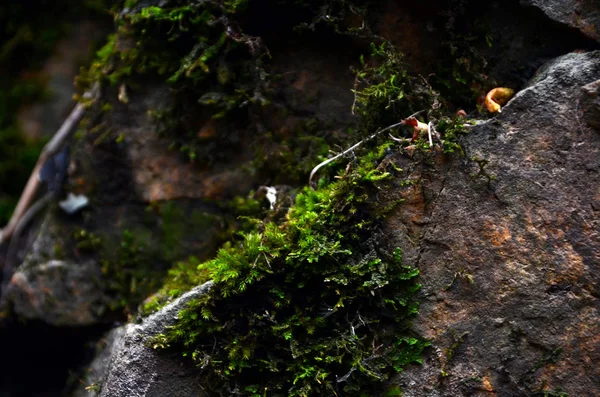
129 366
510 256
581 14
508 243
55 291
506 238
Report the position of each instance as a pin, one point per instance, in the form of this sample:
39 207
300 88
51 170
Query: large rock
510 256
55 290
129 367
581 14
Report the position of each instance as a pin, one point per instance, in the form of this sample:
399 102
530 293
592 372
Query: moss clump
179 279
197 48
462 73
239 215
129 271
317 305
385 92
135 262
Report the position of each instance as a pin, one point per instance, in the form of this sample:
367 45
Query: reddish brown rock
510 257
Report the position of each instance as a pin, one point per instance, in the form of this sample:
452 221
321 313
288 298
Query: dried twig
324 163
401 140
48 151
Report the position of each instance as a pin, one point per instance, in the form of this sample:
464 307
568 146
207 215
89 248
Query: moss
238 215
451 130
451 351
385 92
130 270
393 391
58 251
462 72
332 295
482 172
313 303
199 50
87 241
180 278
528 379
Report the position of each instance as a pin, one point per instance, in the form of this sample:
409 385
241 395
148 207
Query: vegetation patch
197 48
316 305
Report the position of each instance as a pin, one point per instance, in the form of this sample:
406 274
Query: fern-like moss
312 306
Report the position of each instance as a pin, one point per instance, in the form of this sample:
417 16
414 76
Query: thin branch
48 151
401 140
324 163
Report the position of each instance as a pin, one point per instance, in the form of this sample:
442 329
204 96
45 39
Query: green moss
393 391
451 129
288 157
199 51
87 241
540 389
483 171
180 278
385 92
313 306
239 215
130 270
462 71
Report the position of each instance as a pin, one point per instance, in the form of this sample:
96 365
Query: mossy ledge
316 305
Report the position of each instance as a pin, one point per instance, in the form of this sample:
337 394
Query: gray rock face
56 292
581 14
590 104
128 367
510 256
61 292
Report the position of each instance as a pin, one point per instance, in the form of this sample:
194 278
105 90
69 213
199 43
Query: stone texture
128 366
56 291
510 253
581 14
589 109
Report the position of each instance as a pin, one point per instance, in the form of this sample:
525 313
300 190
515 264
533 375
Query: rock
510 256
128 366
57 292
583 15
91 384
590 104
61 292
